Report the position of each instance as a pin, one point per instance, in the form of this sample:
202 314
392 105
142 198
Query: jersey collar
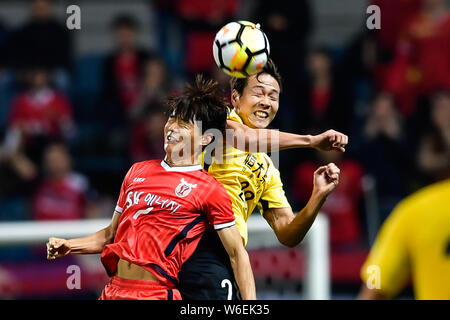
180 168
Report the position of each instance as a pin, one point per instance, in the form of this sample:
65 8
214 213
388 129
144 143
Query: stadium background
386 89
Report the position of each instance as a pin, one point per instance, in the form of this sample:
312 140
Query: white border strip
224 225
180 168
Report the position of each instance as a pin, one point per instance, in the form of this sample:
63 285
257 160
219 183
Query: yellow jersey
414 243
250 179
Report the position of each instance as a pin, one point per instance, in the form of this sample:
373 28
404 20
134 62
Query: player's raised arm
240 262
290 229
94 243
245 138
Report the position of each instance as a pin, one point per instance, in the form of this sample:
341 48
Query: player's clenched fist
57 248
326 178
330 140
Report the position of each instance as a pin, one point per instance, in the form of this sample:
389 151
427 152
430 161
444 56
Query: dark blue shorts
208 274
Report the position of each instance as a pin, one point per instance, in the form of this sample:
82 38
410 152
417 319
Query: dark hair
124 20
203 102
269 68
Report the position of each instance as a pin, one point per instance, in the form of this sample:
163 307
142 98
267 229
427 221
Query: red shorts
126 289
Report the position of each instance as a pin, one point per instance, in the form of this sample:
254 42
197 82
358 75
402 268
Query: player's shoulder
146 163
267 161
210 181
203 174
139 167
434 195
432 192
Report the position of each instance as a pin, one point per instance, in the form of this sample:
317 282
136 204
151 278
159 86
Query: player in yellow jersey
413 244
251 180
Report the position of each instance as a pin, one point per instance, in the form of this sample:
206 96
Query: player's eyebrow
263 87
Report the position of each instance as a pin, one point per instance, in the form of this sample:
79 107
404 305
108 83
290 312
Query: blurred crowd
65 146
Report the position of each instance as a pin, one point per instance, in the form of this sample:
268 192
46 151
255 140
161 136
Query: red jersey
127 77
42 113
164 212
63 199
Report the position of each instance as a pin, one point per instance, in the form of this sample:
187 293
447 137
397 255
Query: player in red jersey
164 208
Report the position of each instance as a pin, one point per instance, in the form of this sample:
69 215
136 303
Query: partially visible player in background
164 208
251 180
413 243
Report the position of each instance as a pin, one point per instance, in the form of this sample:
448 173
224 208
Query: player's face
181 139
259 102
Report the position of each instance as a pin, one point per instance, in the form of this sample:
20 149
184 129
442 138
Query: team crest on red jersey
184 188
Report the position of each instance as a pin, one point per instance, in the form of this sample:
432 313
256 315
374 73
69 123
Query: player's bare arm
232 242
267 140
94 243
290 229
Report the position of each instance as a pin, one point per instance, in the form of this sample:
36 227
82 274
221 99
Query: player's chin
260 123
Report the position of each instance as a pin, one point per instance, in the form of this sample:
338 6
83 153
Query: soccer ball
241 49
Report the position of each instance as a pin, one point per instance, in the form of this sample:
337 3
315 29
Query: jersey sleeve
273 196
387 269
123 191
218 208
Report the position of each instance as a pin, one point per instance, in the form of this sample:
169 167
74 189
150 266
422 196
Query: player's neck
180 162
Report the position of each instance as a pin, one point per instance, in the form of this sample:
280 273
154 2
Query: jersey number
226 282
247 194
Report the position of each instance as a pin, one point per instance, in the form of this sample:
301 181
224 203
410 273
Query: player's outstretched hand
326 179
330 140
57 248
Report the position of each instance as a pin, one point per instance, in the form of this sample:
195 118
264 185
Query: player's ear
235 99
207 139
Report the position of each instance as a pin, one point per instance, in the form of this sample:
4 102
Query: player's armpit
240 262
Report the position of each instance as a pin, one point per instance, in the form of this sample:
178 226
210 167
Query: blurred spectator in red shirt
122 71
325 101
62 194
342 206
49 40
422 62
202 19
434 149
394 16
37 116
